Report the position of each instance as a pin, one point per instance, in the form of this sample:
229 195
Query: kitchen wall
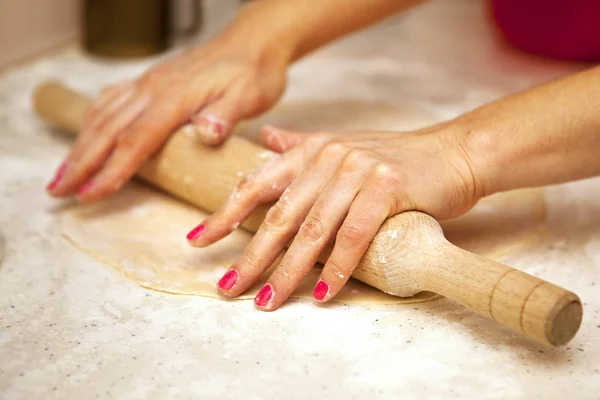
28 27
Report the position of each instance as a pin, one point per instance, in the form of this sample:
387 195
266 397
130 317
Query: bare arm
298 27
546 135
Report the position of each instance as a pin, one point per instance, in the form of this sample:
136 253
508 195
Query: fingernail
228 280
58 176
215 123
211 126
196 232
321 290
264 297
85 188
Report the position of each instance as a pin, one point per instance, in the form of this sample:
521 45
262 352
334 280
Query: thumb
280 140
214 122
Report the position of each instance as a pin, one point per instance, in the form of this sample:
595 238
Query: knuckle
247 189
333 149
247 181
312 230
250 260
127 143
113 179
384 174
350 235
277 219
336 269
250 184
354 159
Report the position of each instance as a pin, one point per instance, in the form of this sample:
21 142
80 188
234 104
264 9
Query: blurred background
105 28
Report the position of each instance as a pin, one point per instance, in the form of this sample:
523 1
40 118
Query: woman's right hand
213 87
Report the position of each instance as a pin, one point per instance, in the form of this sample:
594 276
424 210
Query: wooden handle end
552 315
547 313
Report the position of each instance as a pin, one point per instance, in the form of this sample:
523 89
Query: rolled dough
141 232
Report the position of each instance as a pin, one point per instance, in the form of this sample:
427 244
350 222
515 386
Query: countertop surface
72 328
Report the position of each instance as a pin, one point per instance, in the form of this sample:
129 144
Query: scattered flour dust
592 249
392 234
190 131
235 195
212 275
141 210
265 155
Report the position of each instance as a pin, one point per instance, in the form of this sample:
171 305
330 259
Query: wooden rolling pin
408 255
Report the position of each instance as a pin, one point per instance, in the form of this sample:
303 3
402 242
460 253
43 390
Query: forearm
546 135
297 27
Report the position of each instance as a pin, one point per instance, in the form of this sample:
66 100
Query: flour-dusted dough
141 232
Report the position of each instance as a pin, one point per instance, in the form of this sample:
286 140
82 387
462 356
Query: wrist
481 146
258 32
478 148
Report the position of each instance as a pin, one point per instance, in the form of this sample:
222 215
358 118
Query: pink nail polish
321 290
58 176
215 124
265 295
85 188
196 232
228 280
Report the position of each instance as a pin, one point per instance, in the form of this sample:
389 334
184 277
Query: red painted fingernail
196 232
215 124
58 176
85 188
321 290
265 295
228 280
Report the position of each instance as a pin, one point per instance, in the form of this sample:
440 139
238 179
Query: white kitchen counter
73 328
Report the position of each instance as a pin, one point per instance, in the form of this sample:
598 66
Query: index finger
144 137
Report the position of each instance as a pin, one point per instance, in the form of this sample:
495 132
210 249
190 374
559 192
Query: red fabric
564 29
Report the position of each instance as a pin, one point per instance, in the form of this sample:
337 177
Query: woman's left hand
337 187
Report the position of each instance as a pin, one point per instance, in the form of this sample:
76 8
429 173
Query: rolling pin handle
539 309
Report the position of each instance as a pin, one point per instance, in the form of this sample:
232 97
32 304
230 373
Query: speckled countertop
71 328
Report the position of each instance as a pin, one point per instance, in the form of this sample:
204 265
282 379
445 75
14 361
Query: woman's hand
236 76
214 87
340 188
